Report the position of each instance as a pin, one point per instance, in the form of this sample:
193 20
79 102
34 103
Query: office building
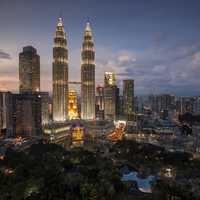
6 113
100 102
27 115
29 70
110 96
128 97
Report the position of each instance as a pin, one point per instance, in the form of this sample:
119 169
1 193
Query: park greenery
49 172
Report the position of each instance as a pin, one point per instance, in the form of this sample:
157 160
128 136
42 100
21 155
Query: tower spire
60 21
88 28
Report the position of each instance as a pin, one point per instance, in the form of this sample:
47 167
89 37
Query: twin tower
60 75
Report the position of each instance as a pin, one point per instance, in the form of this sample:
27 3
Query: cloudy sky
154 42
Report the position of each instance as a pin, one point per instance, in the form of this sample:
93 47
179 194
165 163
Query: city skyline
160 49
99 99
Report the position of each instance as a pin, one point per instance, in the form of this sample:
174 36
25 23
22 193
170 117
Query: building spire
88 27
60 21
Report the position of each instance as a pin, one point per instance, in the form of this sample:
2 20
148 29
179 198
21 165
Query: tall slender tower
60 74
88 75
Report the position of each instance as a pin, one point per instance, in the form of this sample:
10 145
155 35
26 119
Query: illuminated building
98 127
118 133
128 96
60 74
100 97
5 113
109 79
99 102
72 105
29 70
110 96
57 132
88 76
27 115
77 136
45 106
77 133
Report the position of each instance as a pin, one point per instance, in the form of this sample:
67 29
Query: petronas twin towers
60 75
87 76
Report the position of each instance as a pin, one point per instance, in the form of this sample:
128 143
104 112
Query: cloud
9 81
4 55
170 68
174 68
126 57
159 69
9 72
159 38
196 58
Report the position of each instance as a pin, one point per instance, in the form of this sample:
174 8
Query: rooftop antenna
60 13
88 19
88 28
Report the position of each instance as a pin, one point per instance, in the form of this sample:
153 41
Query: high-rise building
44 107
29 70
120 110
6 113
196 105
117 103
162 102
27 114
60 74
110 96
109 79
100 102
88 75
100 97
128 96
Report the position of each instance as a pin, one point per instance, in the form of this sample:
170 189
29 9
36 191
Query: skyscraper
100 102
44 107
88 75
100 97
6 122
128 96
162 102
109 79
29 70
60 74
110 96
27 115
